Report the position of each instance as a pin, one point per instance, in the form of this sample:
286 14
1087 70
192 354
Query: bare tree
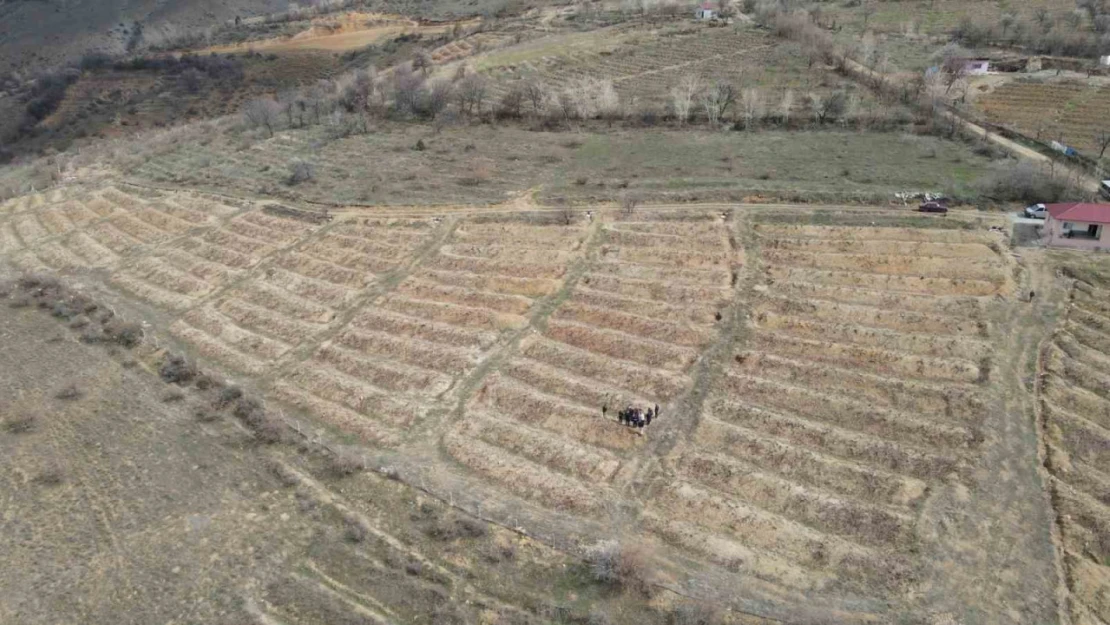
536 94
421 62
512 103
293 107
752 104
438 97
868 11
607 102
471 93
355 91
408 89
682 97
262 112
566 211
786 105
1102 140
717 100
828 109
583 93
1007 22
629 202
567 105
952 60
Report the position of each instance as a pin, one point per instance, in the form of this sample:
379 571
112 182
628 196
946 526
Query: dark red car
933 207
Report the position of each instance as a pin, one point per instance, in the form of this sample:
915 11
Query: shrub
21 423
69 392
51 475
228 395
1027 183
122 333
177 370
249 410
354 530
345 461
174 395
690 614
621 565
300 171
206 415
268 430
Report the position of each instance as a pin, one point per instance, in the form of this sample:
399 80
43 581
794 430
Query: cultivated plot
637 320
857 387
404 352
299 292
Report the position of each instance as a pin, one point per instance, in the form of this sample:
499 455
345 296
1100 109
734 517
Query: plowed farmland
637 320
1075 405
836 396
1069 112
858 388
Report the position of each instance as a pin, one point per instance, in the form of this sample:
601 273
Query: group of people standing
634 417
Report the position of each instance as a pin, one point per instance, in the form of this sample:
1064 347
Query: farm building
705 12
977 67
1079 226
1104 60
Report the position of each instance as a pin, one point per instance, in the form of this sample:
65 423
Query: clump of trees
1083 32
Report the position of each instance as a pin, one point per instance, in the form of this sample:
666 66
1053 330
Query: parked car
1036 211
932 207
1104 189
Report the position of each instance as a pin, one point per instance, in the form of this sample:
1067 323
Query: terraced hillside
1075 404
644 62
858 389
824 390
639 317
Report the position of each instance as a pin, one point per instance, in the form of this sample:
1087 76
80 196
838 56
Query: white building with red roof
1078 225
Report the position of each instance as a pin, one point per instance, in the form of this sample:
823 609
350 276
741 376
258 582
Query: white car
1036 211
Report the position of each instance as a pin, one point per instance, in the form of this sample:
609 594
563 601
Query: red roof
1085 213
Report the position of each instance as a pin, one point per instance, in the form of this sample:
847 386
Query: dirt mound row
836 312
913 284
881 233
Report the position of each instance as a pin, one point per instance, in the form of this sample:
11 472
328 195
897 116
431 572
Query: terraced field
397 357
635 324
856 391
822 388
1075 405
1069 112
644 64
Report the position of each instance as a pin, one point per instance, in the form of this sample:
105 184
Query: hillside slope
36 34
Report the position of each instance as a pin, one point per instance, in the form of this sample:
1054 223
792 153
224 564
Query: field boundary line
711 359
1064 596
542 310
389 281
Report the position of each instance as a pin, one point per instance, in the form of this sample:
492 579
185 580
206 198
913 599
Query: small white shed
705 12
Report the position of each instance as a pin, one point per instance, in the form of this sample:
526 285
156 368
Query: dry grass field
835 387
491 165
